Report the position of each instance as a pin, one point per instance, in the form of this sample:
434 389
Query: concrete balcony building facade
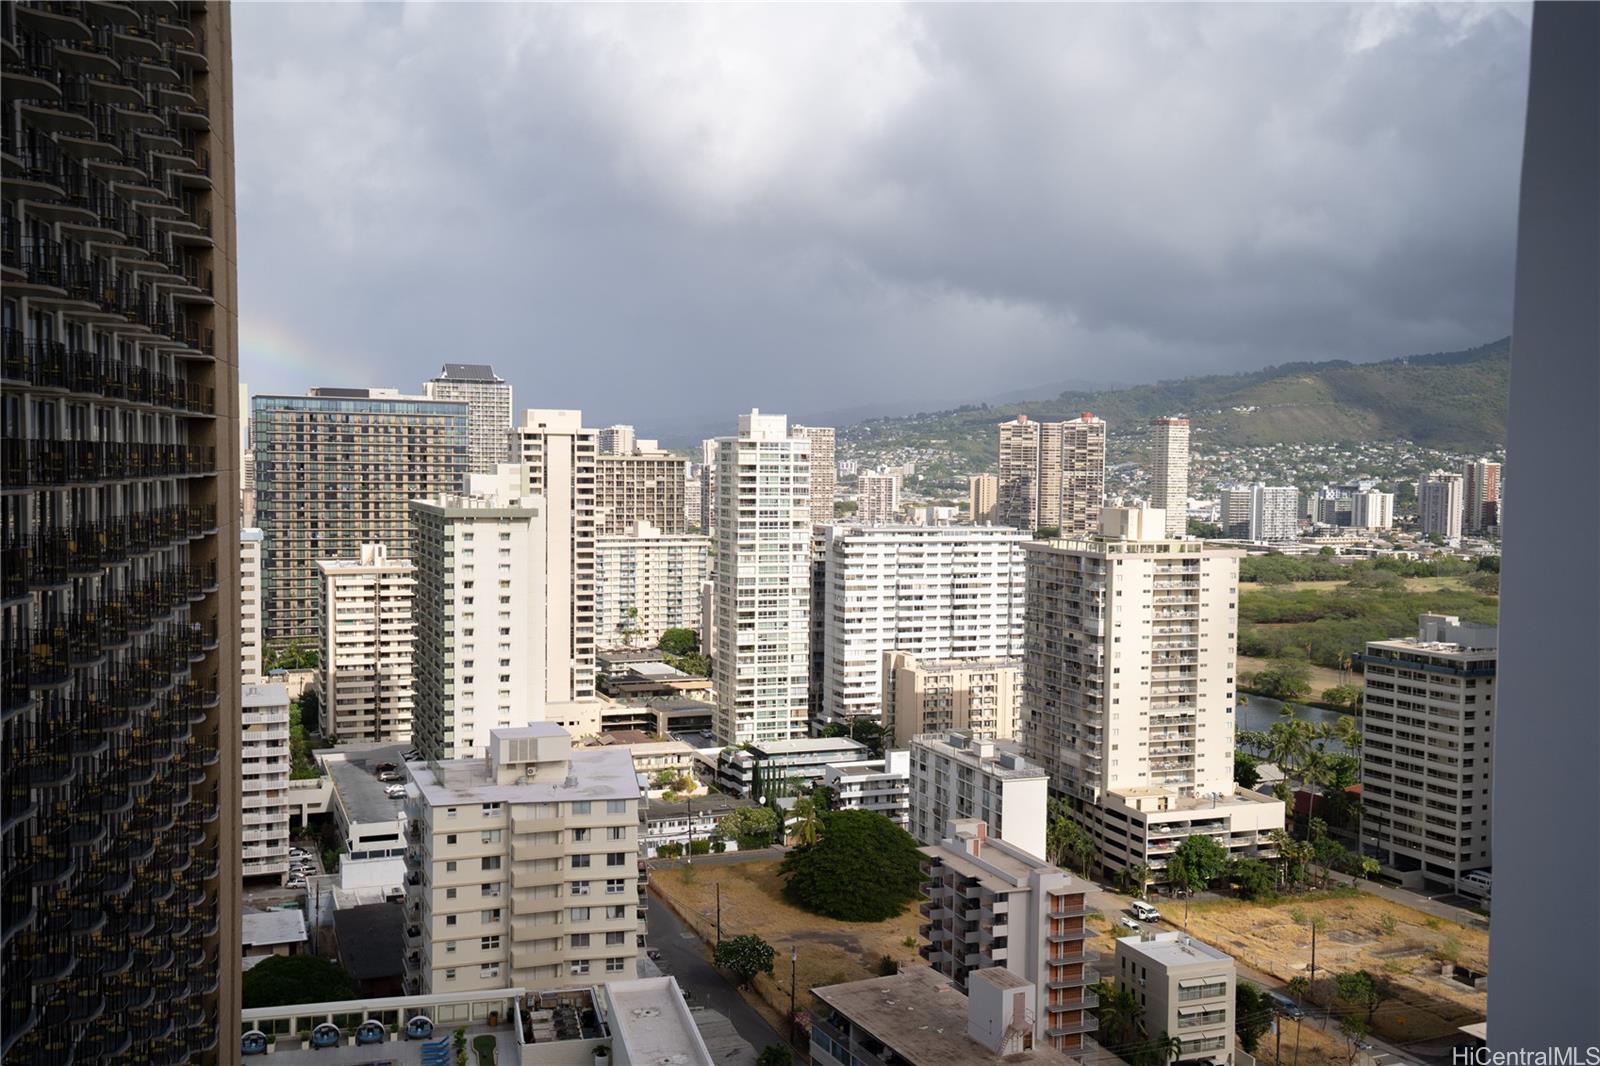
366 635
488 400
646 582
264 769
119 535
643 484
978 696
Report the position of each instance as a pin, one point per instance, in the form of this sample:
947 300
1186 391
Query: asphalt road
683 956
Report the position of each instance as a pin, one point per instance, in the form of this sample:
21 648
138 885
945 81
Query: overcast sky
661 213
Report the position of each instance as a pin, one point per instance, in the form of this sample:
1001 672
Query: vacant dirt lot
752 902
1360 933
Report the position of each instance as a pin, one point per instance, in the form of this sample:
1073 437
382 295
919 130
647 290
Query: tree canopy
864 869
1252 1014
1198 861
284 979
679 641
749 827
744 957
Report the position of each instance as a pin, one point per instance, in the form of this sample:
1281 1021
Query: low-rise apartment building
1185 989
957 775
1427 750
783 767
264 779
979 696
991 904
365 637
523 866
684 821
879 785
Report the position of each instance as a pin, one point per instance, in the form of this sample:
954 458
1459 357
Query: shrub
280 980
744 957
864 869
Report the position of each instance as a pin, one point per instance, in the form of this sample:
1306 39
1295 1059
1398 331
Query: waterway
1259 712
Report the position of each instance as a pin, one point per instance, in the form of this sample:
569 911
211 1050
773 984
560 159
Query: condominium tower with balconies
365 639
488 400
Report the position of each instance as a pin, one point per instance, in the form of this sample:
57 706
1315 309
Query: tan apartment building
991 904
264 779
119 578
1480 496
488 400
983 493
1052 474
1169 480
824 470
1185 989
480 658
934 695
1440 502
337 469
878 497
643 484
554 456
646 582
1427 750
365 641
1129 681
522 866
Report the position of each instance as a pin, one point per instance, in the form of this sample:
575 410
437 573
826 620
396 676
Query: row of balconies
52 365
40 463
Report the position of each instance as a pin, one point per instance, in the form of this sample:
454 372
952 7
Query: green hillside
1450 400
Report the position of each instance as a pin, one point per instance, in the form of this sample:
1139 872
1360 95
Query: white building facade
1274 513
488 400
647 582
264 779
365 638
1440 499
882 786
878 497
251 668
956 775
938 592
824 471
1169 489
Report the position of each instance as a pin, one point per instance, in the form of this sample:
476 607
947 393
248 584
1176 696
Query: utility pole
719 912
794 958
688 849
1311 989
1277 1027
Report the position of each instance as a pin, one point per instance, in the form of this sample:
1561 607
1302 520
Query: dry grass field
1321 676
752 902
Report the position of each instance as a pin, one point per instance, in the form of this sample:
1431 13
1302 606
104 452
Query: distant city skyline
818 211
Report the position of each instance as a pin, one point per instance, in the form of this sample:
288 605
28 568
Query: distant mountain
1448 400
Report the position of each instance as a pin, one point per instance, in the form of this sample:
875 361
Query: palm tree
1120 1018
1167 1048
1347 732
805 824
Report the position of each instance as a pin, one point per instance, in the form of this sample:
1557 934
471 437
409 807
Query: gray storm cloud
658 213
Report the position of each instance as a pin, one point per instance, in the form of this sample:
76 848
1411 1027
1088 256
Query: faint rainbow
280 359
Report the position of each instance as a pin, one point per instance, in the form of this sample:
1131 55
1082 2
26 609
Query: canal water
1259 712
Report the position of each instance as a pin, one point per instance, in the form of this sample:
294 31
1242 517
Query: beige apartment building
643 484
1169 481
957 776
1184 988
878 497
1440 501
1480 496
251 667
1052 474
647 582
522 866
264 779
365 640
480 606
983 493
615 440
934 695
337 469
991 904
488 400
1427 750
824 470
1129 675
119 578
557 457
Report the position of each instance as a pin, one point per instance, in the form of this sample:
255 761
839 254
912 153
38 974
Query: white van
1476 883
1143 911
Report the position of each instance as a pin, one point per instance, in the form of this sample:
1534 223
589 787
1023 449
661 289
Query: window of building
490 917
580 862
615 965
616 858
615 886
491 862
616 806
490 943
578 968
614 939
580 807
580 940
579 914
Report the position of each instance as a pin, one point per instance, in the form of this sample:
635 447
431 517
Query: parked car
1144 911
390 777
395 791
1285 1006
1129 923
411 756
385 768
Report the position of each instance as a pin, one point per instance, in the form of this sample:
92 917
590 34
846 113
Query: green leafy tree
1299 988
1205 530
861 730
1344 697
744 957
1252 1014
864 869
1283 679
1245 774
1253 878
887 966
1119 1017
1363 989
679 641
1203 859
775 1055
749 827
1047 533
279 980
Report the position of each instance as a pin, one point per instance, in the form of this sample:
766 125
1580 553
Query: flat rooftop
1174 949
265 695
998 864
592 773
353 771
270 928
653 1023
807 746
1007 765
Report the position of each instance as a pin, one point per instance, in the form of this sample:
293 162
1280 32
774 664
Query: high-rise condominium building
488 400
693 498
1129 688
338 469
879 497
481 650
983 492
1427 750
1372 510
1234 511
763 581
523 866
557 457
251 667
119 507
940 592
264 779
1052 474
708 487
643 484
824 470
1480 496
958 775
646 582
365 639
1274 513
1439 504
1169 489
615 440
979 696
992 904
